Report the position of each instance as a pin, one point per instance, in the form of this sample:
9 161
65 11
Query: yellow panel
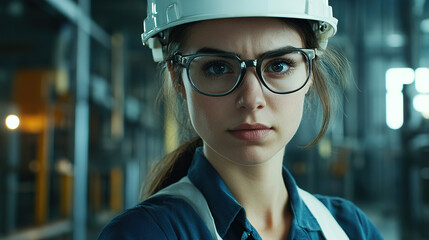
116 189
31 88
42 180
33 123
95 191
66 195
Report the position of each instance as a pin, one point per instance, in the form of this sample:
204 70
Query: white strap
187 191
330 227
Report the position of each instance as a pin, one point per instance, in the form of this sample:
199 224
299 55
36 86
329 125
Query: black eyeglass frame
185 61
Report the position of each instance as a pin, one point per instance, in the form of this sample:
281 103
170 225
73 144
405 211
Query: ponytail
172 167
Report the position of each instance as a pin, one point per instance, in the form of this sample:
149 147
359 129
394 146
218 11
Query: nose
250 93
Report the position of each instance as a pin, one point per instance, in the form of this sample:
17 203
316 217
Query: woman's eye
217 69
278 67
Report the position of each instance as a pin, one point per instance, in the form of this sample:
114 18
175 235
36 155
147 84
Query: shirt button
246 235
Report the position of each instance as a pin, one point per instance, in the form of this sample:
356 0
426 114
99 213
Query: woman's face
251 125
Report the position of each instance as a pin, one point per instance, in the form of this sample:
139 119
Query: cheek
206 118
203 110
289 110
290 104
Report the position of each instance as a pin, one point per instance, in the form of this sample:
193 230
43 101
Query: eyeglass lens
218 74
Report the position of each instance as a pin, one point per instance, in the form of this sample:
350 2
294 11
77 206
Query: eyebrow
215 50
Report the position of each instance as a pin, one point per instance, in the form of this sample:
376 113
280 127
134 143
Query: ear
176 80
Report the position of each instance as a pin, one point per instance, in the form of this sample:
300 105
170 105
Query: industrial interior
80 127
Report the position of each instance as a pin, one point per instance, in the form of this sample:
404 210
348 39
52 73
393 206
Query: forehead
244 36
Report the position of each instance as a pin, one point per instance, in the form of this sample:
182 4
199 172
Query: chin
253 155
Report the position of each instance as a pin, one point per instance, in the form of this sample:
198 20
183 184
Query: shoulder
161 217
352 219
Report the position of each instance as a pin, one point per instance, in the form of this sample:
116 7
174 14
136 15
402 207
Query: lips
250 132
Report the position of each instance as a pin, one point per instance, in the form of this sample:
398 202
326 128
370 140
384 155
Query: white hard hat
165 14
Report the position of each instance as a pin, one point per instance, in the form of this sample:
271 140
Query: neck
259 189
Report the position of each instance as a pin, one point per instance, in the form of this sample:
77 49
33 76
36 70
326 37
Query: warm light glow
394 110
422 80
12 122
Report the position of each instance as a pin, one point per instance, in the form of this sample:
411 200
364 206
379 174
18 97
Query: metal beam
81 134
75 14
46 231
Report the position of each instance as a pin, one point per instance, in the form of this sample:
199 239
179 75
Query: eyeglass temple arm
181 60
317 52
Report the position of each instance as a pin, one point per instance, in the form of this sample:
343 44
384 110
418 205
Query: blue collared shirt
168 217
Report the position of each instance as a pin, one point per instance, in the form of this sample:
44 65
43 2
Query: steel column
81 134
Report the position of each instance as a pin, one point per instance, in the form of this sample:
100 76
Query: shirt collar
225 208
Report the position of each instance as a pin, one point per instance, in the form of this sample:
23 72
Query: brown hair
328 68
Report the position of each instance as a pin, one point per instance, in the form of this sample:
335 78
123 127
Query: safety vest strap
330 227
187 191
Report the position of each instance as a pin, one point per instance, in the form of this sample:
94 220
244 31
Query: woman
244 69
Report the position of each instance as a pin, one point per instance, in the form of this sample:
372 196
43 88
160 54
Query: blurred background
79 128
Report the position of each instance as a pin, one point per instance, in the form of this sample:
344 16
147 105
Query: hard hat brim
154 30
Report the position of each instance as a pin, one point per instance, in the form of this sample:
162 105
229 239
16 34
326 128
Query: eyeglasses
217 74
